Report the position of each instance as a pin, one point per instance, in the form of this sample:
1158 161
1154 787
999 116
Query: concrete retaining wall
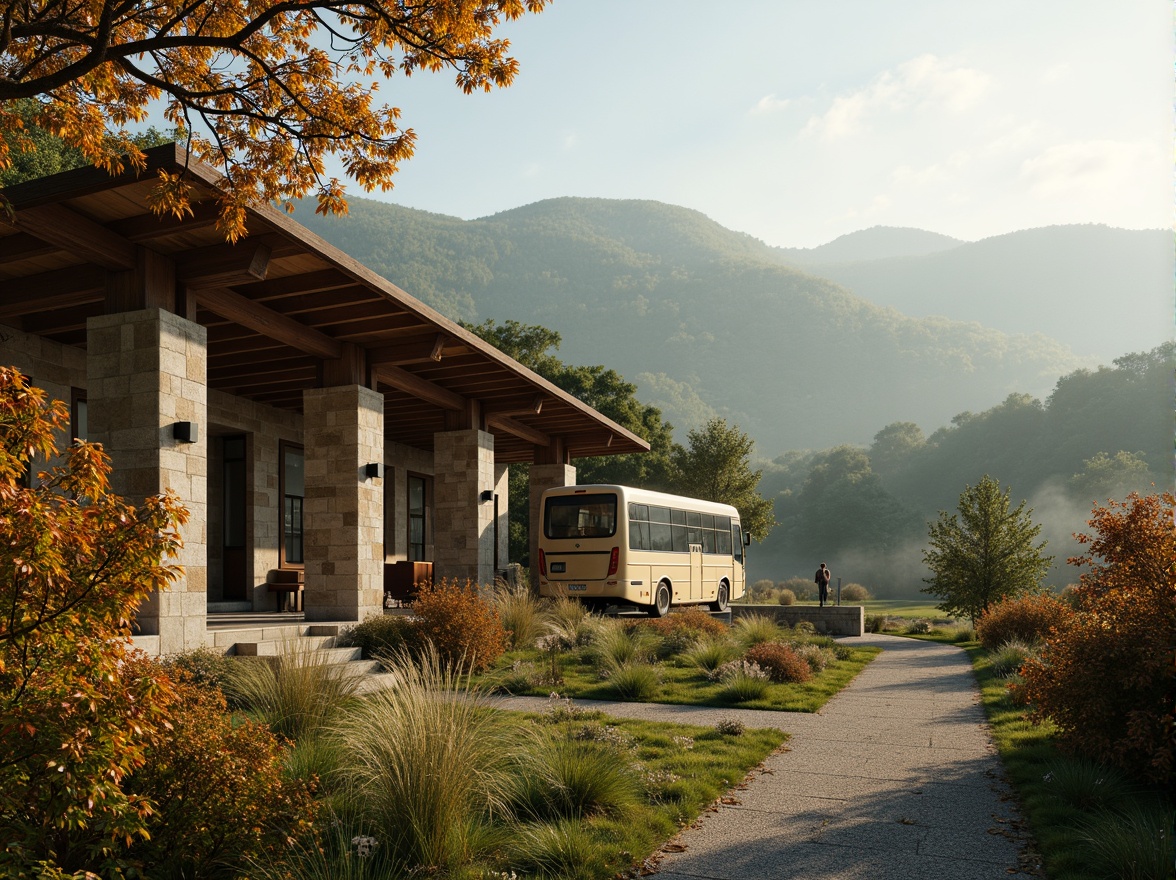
843 620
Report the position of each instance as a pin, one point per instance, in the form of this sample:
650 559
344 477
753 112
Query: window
581 516
662 528
79 416
417 499
292 482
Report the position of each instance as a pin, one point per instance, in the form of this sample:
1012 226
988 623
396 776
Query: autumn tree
716 466
75 562
1107 677
267 90
984 553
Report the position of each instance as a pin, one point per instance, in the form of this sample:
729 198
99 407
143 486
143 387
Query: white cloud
1089 167
770 104
925 83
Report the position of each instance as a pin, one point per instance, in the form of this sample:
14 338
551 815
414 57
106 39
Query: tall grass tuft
561 777
755 629
1132 844
563 850
572 620
1088 785
615 646
635 681
708 654
297 693
429 764
522 614
1008 658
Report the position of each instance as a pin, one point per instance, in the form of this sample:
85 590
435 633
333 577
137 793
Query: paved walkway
895 779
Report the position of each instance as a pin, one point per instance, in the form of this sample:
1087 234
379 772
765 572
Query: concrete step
273 647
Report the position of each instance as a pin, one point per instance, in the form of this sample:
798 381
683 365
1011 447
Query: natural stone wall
463 468
834 620
343 510
400 461
57 369
147 370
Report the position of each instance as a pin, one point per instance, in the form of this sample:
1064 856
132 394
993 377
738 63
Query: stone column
543 477
502 491
147 370
343 514
463 524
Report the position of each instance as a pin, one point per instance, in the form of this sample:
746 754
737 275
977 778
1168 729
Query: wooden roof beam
72 232
418 387
418 351
518 429
267 322
220 266
527 405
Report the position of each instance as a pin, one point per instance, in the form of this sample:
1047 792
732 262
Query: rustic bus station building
331 436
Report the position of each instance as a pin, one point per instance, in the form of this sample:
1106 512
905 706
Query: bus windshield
581 516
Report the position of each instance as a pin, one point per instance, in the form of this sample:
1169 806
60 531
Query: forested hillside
707 321
1100 434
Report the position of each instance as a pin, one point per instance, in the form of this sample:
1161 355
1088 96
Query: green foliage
1009 656
1135 843
205 667
565 777
463 627
297 692
522 614
75 563
378 635
755 629
1024 618
855 593
1104 476
715 466
983 554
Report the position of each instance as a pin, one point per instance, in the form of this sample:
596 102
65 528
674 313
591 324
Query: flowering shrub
739 668
729 727
1024 619
462 626
692 621
816 656
780 662
1105 677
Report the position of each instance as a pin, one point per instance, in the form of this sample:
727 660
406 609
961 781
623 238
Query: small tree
75 562
984 553
716 467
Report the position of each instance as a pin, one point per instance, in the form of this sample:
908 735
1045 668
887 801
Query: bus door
695 573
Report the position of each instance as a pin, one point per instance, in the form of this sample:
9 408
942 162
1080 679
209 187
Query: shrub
787 597
780 661
1105 677
381 634
803 588
203 667
919 627
729 727
693 621
462 626
875 622
855 593
761 591
297 692
818 657
1025 619
209 817
754 629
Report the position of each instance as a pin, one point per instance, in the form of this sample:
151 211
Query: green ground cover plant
679 660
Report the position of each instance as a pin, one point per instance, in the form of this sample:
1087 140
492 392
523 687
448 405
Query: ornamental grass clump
571 619
1088 785
1134 843
560 776
742 681
755 629
818 657
522 614
1008 658
563 849
636 681
616 645
708 654
297 692
429 765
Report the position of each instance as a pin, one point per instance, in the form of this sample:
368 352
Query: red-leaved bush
1025 618
1107 676
780 662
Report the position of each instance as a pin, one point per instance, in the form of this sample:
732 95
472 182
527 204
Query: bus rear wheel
661 601
721 598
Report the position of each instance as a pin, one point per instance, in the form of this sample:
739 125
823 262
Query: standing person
822 578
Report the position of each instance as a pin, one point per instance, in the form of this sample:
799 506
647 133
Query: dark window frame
283 561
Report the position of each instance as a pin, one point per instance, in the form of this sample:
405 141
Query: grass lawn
909 608
681 684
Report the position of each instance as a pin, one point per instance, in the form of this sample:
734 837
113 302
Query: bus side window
737 542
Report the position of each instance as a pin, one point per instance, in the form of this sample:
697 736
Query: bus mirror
747 539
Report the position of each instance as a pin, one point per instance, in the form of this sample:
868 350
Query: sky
798 121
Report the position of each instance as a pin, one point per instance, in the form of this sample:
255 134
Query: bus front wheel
661 601
721 598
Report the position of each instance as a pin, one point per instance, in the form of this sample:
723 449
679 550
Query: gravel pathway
895 779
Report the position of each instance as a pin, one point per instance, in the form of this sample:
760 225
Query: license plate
577 587
558 567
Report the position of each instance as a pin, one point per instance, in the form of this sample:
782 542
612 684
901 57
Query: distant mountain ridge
705 319
875 243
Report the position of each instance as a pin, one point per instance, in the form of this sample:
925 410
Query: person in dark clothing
822 578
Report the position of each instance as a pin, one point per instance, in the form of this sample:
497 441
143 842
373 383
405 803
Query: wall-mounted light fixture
375 470
487 495
185 432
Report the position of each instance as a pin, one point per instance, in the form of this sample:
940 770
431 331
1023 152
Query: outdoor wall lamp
375 470
487 495
185 432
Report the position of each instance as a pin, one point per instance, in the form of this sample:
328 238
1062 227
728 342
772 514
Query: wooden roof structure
285 311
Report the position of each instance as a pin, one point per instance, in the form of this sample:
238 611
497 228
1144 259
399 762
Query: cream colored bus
615 545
